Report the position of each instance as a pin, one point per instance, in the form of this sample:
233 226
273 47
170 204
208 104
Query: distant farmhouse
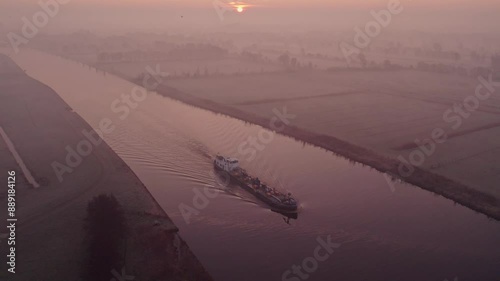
495 66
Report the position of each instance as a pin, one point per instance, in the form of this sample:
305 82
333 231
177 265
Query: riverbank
439 184
49 231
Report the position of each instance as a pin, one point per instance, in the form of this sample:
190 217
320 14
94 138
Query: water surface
386 232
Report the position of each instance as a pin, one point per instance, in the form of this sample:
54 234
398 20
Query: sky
442 15
275 3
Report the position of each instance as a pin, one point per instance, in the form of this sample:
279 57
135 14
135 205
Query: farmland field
182 67
384 111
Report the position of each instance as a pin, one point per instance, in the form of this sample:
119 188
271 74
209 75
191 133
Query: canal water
381 230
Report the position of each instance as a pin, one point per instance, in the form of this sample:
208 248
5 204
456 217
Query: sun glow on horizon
239 7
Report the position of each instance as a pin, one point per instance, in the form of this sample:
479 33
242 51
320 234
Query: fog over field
408 88
379 75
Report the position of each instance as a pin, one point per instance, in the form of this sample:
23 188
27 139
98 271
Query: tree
362 60
284 59
437 47
387 64
106 229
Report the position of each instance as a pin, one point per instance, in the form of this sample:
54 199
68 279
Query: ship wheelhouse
227 164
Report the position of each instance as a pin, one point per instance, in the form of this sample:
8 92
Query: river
383 230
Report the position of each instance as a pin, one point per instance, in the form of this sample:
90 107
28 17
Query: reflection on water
287 216
408 234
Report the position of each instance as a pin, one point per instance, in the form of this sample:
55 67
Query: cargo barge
269 195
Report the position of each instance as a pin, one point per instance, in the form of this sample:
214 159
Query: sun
239 6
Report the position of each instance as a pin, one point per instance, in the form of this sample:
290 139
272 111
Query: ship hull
273 204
